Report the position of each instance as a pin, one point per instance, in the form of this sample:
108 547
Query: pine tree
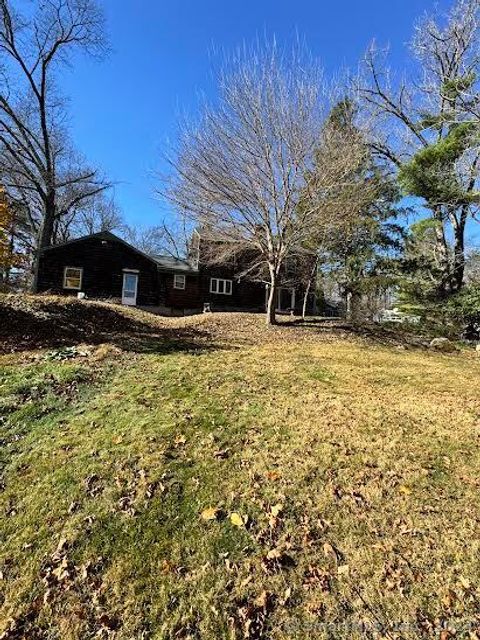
361 244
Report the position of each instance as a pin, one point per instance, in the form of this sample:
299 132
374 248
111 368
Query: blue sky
123 109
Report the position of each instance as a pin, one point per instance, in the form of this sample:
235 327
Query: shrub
465 306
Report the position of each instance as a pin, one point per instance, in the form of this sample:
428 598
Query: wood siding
103 260
182 299
246 294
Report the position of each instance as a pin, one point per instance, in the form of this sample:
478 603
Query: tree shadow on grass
53 325
374 333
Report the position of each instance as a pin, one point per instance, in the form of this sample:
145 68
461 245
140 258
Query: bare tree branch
241 173
37 164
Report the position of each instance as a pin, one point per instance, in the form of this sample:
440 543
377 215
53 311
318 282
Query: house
104 266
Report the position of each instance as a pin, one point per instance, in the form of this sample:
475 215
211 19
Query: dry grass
355 464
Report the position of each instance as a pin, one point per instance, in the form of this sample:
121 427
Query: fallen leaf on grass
274 554
168 567
277 559
238 520
317 579
108 623
331 552
465 582
62 572
125 504
272 475
262 600
222 454
449 599
251 617
246 581
286 596
89 520
62 545
73 507
211 513
92 485
152 487
85 569
276 510
406 491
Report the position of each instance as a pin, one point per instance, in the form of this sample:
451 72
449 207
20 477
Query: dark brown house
104 266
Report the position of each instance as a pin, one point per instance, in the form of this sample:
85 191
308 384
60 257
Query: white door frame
127 298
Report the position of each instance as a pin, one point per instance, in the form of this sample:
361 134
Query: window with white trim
221 286
72 278
179 281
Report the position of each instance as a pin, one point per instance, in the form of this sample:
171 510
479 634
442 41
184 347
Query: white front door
129 291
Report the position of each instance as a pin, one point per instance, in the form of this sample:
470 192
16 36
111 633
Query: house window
178 281
218 285
72 278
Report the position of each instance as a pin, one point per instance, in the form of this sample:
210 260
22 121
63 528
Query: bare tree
164 239
426 126
98 213
38 167
243 170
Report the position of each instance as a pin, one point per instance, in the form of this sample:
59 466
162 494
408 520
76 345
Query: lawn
215 479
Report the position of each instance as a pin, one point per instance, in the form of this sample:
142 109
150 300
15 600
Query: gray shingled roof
169 263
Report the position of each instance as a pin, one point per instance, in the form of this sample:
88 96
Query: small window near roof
178 281
72 278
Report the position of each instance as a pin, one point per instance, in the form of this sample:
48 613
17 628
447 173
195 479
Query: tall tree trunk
458 263
271 317
47 227
45 237
313 273
305 299
272 291
458 270
442 254
348 305
353 299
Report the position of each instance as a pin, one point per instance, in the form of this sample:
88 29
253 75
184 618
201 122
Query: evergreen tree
427 127
360 248
365 257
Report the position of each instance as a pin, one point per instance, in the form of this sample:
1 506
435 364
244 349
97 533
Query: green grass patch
343 482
